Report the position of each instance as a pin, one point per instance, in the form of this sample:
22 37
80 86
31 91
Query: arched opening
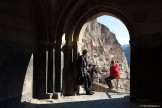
103 46
93 12
31 52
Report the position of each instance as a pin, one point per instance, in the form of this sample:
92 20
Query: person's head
84 52
89 65
112 62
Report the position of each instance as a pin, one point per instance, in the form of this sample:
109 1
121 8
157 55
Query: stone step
101 88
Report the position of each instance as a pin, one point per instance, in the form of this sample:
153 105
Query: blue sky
117 27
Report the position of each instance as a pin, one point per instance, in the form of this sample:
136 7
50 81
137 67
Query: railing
101 78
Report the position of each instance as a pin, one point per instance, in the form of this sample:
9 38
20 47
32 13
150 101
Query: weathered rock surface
104 47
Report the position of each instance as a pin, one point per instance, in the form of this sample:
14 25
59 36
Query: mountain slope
103 47
124 46
126 49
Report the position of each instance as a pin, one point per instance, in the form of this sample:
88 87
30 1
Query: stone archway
94 12
80 44
99 51
34 27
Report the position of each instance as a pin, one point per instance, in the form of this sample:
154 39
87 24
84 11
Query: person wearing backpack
82 68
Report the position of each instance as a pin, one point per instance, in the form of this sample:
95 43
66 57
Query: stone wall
17 33
16 71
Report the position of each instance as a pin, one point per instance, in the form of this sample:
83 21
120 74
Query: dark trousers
88 82
108 81
91 75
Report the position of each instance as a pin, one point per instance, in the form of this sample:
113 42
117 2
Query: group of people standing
88 74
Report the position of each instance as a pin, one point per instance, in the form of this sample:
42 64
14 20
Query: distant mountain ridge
126 49
125 46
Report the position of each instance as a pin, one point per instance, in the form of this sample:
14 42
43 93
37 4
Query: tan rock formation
104 47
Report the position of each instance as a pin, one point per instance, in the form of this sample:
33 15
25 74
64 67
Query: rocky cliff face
104 47
126 49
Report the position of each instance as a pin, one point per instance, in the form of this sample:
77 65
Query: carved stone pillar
58 66
149 72
133 70
145 74
68 75
39 73
50 70
75 71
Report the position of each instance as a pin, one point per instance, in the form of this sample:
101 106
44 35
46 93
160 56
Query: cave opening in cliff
107 38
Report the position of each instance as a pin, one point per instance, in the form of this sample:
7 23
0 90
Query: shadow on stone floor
105 103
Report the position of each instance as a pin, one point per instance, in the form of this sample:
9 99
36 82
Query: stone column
145 74
148 76
133 69
39 73
68 75
75 71
154 73
57 66
50 70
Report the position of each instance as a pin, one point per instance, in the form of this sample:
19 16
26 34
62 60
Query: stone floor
98 100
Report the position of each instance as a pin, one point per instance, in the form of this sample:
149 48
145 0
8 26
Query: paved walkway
98 100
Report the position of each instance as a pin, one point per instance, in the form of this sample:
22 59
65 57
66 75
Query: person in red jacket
114 73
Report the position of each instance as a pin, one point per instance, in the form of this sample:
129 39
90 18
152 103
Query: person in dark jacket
82 66
114 73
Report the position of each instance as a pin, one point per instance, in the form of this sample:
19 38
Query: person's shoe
92 92
89 93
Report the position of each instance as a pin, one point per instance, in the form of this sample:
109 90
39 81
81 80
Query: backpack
80 80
